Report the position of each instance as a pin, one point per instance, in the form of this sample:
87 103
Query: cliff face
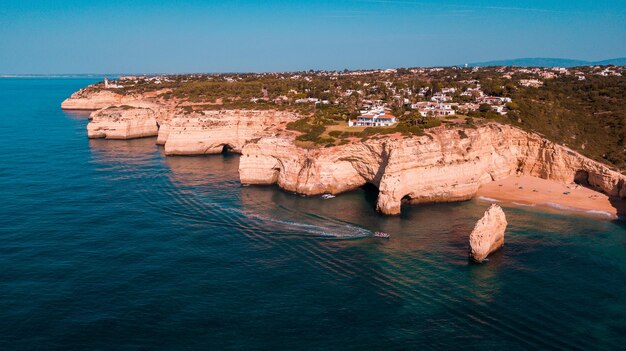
122 123
209 132
444 165
488 234
83 100
206 132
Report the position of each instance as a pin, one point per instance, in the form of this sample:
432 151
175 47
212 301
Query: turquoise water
111 245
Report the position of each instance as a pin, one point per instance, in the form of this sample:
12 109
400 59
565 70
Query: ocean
111 245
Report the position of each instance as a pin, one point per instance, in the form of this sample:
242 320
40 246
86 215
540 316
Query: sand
531 191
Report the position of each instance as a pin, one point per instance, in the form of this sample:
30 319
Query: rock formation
208 132
447 164
123 122
442 166
488 234
88 100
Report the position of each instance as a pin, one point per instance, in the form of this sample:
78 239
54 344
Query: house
281 99
440 97
532 83
494 100
468 107
307 100
430 108
501 109
377 117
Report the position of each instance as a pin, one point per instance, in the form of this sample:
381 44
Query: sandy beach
531 191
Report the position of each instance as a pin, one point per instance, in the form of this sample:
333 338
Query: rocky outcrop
444 165
209 132
123 123
93 100
488 234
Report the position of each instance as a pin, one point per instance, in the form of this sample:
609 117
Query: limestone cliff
208 132
488 234
90 100
444 165
122 123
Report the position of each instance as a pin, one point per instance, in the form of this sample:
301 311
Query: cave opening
228 151
582 178
370 192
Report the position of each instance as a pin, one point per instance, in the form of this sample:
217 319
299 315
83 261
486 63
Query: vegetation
587 115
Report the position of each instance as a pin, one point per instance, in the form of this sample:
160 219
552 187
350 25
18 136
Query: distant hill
549 62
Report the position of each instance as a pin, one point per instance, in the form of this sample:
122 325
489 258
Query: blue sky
142 36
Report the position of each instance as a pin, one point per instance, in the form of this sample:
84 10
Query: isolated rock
488 234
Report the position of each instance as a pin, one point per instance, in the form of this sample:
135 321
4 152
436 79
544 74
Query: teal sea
110 245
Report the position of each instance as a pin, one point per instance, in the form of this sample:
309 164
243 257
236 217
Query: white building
440 97
533 83
373 118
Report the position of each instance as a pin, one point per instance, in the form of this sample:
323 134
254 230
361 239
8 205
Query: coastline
536 192
447 163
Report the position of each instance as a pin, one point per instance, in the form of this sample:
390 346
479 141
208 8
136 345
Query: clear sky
142 36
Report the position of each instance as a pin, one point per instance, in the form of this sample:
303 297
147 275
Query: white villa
429 108
373 118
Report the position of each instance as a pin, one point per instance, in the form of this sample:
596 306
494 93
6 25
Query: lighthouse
106 82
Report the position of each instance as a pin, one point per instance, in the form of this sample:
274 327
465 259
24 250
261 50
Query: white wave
561 207
601 213
525 205
573 209
488 199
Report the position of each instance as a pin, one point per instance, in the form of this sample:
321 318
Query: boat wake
329 229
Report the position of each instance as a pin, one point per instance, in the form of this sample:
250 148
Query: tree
512 106
484 108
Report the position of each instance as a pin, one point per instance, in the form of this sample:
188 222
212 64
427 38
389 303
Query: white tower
106 82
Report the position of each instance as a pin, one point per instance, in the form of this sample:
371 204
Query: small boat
328 196
382 235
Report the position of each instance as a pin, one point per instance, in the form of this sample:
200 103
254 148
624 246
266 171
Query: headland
418 136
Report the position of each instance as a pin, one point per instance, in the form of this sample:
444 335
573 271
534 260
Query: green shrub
335 133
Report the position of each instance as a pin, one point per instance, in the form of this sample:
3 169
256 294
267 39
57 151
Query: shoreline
527 191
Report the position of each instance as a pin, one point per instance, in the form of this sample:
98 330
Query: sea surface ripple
111 245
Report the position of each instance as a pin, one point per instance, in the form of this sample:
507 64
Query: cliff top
583 108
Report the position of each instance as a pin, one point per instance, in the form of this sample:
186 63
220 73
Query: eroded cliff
447 164
90 100
209 132
123 123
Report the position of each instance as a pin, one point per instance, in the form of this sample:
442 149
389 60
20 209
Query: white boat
328 196
382 235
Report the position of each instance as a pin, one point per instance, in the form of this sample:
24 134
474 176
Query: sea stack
488 234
